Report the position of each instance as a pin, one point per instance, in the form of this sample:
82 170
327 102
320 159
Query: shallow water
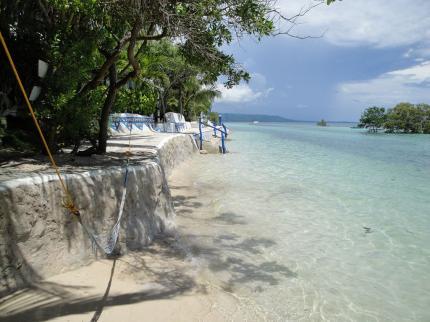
310 223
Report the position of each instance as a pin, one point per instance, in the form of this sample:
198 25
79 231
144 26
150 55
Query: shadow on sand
102 303
45 301
237 258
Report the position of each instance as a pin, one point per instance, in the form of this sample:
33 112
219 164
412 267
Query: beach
336 232
158 284
160 281
316 224
211 161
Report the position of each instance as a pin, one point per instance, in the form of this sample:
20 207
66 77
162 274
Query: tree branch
139 51
44 11
293 20
103 70
153 37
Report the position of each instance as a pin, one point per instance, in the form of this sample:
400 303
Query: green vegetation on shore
322 122
402 118
126 56
149 57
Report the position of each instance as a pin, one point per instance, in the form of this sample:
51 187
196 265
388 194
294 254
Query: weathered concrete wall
176 151
38 237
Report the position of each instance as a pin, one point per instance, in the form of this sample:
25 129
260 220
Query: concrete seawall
38 238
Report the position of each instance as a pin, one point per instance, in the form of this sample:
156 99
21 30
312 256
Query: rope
68 201
194 139
112 240
109 248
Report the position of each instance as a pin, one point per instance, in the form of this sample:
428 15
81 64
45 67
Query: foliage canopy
402 118
373 118
171 50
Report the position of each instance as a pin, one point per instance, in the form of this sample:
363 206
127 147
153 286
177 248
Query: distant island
322 123
236 117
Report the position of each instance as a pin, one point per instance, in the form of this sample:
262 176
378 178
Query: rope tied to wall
67 201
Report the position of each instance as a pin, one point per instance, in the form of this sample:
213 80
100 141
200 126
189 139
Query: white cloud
238 94
258 80
245 92
409 84
409 53
378 23
415 75
241 93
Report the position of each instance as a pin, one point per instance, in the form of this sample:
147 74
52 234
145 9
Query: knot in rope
69 205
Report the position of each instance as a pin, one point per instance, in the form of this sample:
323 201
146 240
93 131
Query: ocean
307 223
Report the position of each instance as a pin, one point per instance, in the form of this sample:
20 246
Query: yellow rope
128 152
68 202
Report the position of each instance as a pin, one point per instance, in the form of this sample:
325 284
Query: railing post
200 133
222 135
223 126
223 143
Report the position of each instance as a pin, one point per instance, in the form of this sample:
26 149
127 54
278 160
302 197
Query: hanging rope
112 240
109 248
68 201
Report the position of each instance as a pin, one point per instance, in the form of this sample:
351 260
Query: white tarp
175 122
124 125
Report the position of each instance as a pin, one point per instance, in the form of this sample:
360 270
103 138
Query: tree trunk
106 109
51 139
181 105
163 107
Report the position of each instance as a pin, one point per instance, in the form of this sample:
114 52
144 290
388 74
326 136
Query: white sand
158 284
163 282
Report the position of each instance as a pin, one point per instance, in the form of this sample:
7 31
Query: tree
94 49
322 123
201 26
169 71
200 101
405 117
373 118
56 32
425 108
214 117
141 98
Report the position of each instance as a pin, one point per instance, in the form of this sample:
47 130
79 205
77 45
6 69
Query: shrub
373 118
322 123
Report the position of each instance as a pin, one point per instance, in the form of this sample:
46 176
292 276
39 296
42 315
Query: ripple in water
312 224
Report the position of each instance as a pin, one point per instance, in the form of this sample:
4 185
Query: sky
372 52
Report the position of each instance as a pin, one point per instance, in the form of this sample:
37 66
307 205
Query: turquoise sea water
322 223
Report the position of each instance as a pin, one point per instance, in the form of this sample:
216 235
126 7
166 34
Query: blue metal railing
129 121
200 133
179 127
216 129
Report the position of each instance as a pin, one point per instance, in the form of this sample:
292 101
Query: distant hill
234 117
